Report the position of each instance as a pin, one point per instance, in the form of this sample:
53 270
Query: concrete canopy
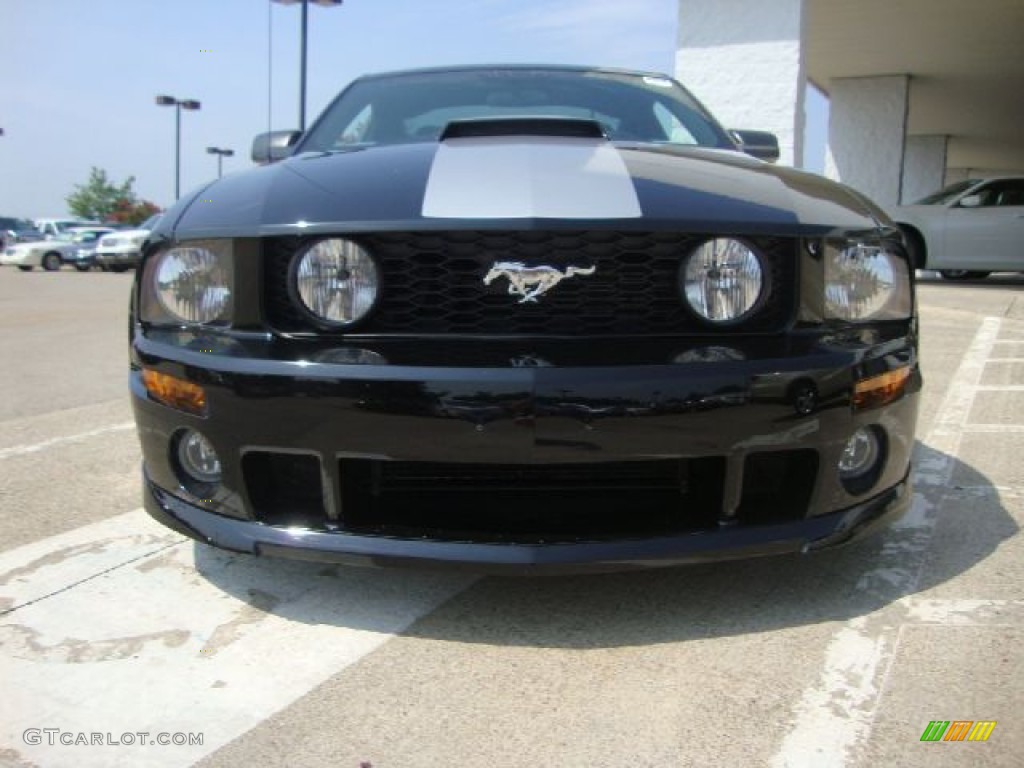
965 59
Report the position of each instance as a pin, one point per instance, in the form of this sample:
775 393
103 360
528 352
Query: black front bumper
325 420
729 543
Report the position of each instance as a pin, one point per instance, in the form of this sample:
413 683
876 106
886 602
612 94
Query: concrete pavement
113 625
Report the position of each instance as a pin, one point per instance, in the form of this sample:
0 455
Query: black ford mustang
523 316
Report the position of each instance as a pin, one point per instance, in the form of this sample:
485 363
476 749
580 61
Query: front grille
525 503
777 486
530 503
284 488
433 284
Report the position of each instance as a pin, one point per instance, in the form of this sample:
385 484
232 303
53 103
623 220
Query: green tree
98 198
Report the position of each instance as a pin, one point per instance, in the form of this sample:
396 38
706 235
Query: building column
866 134
924 166
744 61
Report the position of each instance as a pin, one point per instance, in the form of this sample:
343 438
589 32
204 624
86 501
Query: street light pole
302 66
302 49
221 153
178 104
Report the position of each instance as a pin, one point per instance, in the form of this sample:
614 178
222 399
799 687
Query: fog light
863 458
860 454
197 458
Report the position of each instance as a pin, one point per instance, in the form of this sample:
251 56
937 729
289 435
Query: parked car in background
14 230
523 317
967 230
83 256
55 229
51 255
122 249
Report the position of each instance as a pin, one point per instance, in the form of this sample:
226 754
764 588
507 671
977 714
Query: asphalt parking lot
111 625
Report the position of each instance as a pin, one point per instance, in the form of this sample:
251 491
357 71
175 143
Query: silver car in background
122 250
967 230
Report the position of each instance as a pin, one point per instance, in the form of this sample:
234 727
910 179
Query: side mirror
273 146
970 201
760 144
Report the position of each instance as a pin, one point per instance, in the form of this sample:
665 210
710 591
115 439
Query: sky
79 78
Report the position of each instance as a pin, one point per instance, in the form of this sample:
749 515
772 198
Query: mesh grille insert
433 284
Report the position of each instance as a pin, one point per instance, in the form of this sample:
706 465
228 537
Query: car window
947 194
1008 194
675 131
416 107
1000 193
357 131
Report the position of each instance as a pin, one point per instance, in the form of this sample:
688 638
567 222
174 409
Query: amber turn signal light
174 392
880 390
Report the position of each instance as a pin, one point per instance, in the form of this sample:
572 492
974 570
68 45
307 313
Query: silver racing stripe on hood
529 177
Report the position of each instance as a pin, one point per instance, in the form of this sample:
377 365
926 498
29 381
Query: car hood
127 233
516 182
33 245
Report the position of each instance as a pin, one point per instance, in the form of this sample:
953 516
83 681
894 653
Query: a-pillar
866 135
744 60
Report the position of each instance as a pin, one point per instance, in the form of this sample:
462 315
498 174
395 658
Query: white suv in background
57 229
122 250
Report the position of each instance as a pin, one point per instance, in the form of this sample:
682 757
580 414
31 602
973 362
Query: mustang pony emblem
531 282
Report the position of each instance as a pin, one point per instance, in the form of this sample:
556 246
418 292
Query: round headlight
722 280
860 282
191 284
336 281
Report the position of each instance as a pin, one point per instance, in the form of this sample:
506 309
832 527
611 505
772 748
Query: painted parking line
44 568
125 628
835 714
995 429
21 450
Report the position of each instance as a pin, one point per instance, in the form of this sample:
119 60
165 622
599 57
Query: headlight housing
866 281
189 283
723 280
335 281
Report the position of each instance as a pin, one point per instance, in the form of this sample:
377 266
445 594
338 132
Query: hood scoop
560 127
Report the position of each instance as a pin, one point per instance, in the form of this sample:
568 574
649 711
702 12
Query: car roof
1000 177
515 67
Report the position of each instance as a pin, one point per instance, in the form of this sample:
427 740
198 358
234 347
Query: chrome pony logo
531 282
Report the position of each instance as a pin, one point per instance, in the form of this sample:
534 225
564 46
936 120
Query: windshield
947 194
416 107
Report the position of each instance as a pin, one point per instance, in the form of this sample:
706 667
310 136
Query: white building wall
924 166
867 127
744 61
